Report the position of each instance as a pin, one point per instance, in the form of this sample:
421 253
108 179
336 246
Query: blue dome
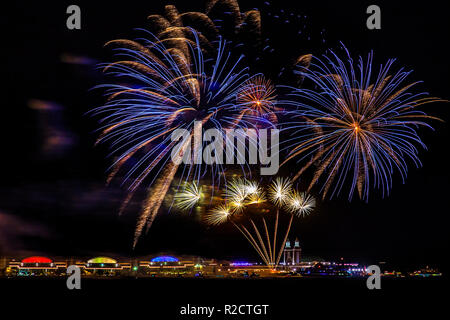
164 259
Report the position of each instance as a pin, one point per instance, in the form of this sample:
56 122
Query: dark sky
53 199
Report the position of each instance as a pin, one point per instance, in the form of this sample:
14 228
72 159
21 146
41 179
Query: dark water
287 298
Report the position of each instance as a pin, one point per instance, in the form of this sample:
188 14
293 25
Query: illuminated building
164 259
36 266
337 269
105 266
246 269
167 265
426 272
291 255
192 266
3 263
4 266
178 266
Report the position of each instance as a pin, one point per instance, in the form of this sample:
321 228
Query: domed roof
37 259
165 259
102 260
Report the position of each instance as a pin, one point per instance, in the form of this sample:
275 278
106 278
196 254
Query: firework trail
356 126
241 194
173 25
209 24
172 89
189 196
300 204
224 18
219 215
244 28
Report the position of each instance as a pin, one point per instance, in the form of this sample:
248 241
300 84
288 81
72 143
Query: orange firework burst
257 97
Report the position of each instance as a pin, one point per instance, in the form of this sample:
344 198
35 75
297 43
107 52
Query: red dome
37 260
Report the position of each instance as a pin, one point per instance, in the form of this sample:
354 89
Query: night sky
53 198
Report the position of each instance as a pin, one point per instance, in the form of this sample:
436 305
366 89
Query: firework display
244 195
176 91
347 127
224 159
244 29
257 97
360 128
